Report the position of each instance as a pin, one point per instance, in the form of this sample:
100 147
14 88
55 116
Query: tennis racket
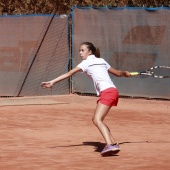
156 71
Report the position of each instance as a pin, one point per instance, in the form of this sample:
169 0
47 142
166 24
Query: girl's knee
96 122
93 120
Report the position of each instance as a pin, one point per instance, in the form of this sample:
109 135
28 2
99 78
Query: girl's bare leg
99 115
111 137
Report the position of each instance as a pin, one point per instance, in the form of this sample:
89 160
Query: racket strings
160 72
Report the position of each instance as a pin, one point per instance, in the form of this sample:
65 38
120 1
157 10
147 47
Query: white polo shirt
97 70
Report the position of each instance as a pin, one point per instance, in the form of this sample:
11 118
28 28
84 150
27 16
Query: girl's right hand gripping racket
156 71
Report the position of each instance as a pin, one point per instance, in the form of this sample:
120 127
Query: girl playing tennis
97 69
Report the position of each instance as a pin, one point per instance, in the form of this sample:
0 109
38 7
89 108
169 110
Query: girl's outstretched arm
49 84
119 73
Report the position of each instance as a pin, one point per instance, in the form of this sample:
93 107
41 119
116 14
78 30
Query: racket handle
134 73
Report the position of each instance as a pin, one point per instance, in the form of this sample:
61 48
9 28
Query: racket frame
150 73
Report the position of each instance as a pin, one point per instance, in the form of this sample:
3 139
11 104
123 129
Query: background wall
132 39
34 48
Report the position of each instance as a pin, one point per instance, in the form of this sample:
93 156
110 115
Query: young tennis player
97 69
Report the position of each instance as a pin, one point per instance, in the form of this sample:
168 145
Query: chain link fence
17 7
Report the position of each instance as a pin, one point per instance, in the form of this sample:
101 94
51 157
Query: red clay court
56 132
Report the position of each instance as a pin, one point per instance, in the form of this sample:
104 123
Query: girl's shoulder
102 59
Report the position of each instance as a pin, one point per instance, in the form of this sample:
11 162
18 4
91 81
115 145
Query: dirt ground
56 132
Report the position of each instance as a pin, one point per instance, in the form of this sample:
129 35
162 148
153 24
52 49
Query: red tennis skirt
109 97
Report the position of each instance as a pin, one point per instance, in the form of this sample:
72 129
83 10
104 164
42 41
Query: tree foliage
64 6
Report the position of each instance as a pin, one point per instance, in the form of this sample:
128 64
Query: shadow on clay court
98 146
